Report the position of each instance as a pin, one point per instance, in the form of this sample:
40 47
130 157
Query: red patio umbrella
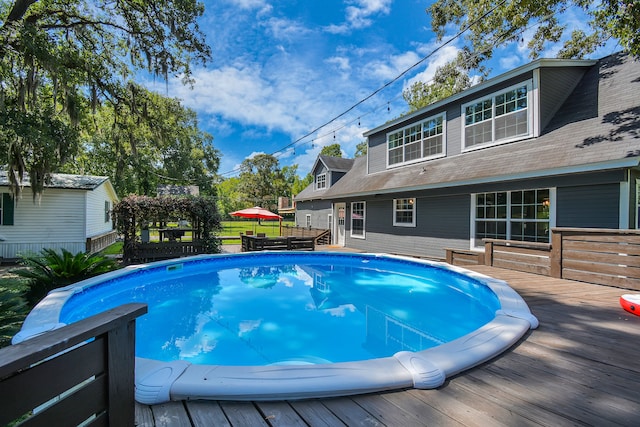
258 213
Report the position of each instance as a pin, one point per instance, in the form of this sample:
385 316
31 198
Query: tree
332 150
139 151
60 59
448 80
301 184
490 29
230 197
262 181
361 149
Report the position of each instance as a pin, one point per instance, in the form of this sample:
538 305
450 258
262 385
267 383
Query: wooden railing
464 257
608 257
82 371
255 243
529 257
603 256
320 235
98 243
147 252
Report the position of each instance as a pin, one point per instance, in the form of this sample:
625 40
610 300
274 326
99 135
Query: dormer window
321 181
501 117
420 141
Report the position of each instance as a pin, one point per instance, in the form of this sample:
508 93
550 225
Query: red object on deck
631 303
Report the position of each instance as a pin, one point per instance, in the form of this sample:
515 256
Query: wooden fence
603 256
82 371
98 243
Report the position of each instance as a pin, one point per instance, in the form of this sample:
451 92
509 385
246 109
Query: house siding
441 222
59 223
556 84
95 212
319 211
335 177
443 216
593 206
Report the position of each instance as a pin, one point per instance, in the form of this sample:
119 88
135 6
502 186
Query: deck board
578 368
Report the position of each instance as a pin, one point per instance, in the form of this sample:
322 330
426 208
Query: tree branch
20 7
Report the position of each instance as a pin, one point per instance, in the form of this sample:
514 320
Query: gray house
317 211
555 143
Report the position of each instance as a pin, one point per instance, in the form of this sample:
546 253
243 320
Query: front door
340 213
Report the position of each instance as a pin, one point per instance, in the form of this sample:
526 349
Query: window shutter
7 209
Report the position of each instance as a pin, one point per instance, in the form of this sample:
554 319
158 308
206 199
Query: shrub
51 269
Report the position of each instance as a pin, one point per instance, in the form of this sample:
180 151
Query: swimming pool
276 325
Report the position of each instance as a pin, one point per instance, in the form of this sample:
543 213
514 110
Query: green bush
51 269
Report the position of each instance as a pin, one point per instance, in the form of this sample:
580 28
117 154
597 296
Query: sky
281 71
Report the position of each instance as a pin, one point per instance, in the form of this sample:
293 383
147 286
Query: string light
387 84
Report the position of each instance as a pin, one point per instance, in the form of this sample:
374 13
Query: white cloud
439 59
360 15
286 29
262 5
393 65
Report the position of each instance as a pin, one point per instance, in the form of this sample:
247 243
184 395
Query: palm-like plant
13 310
51 269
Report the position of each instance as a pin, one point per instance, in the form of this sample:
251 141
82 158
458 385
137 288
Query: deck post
488 253
556 254
121 369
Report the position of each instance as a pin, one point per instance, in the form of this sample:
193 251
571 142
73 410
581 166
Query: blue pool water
283 308
292 309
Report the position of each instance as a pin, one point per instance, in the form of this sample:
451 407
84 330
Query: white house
73 213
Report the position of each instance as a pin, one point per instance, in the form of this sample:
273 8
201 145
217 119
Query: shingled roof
62 180
594 130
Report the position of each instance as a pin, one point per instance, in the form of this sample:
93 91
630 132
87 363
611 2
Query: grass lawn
270 228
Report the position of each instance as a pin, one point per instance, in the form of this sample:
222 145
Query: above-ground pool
291 325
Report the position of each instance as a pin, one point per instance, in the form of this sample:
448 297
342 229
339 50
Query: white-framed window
321 181
498 118
307 220
524 215
404 212
420 141
358 217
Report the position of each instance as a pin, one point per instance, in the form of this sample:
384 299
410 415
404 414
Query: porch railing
98 243
82 372
603 256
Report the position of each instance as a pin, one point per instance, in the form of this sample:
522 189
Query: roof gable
484 86
596 128
332 164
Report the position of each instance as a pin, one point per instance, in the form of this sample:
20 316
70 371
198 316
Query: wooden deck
580 367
